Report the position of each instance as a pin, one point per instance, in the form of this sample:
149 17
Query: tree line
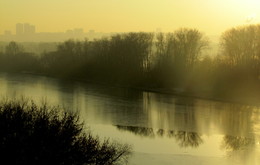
162 61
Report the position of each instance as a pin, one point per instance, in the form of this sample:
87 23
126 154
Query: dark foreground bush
31 134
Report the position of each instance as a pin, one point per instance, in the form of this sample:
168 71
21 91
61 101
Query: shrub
31 134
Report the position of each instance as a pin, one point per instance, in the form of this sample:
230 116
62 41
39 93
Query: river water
163 129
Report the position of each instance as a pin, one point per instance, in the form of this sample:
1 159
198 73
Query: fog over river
163 129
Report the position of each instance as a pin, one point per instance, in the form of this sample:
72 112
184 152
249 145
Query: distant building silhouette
25 32
25 28
7 33
19 29
29 29
69 32
78 31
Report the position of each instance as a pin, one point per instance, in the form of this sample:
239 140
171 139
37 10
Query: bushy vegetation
170 62
31 134
16 60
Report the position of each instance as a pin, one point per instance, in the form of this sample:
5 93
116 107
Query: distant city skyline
211 17
28 28
24 28
26 32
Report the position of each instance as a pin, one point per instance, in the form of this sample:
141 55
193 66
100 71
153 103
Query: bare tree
187 46
241 45
13 48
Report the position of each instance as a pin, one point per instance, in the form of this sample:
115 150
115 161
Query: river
163 129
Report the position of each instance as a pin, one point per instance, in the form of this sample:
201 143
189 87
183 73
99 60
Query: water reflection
242 150
141 131
120 106
201 116
233 143
189 123
183 138
188 139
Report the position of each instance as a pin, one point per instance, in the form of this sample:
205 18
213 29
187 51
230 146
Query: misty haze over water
177 80
199 130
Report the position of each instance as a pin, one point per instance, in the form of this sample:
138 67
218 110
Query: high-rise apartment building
25 28
32 29
19 29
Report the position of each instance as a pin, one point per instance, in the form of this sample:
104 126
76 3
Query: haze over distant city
156 81
26 32
211 17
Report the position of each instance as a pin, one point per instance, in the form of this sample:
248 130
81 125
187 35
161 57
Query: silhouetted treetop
31 134
13 48
241 45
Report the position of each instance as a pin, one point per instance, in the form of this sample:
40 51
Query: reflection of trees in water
161 132
188 139
141 131
237 143
185 139
241 149
236 120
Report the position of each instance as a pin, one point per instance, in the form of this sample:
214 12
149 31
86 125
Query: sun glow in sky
209 16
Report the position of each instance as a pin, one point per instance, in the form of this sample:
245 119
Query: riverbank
147 62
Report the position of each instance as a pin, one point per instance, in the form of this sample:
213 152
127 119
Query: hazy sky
209 16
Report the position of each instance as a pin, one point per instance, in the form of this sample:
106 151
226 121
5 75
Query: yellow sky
209 16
